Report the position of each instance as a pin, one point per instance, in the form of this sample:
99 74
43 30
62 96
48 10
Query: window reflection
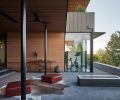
77 52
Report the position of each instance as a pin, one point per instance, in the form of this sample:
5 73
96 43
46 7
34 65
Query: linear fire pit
98 80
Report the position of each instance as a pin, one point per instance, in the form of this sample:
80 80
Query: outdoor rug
39 88
43 88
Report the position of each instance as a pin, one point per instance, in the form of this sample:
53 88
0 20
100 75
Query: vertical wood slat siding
79 22
35 43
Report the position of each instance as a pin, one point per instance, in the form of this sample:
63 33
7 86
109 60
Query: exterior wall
13 51
35 43
80 22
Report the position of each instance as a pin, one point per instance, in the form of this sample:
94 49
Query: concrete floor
74 92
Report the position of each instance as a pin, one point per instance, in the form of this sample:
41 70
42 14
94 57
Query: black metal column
23 49
45 47
91 51
85 55
86 60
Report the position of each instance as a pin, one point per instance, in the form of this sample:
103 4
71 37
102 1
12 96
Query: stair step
4 71
1 68
7 74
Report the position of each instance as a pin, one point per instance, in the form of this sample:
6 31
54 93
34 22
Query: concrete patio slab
74 92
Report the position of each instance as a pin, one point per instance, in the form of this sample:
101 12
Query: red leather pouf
51 78
14 88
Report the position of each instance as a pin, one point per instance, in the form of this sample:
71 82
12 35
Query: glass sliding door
2 51
77 52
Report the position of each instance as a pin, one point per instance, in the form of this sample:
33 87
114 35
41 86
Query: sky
107 19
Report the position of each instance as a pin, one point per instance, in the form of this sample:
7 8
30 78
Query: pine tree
113 49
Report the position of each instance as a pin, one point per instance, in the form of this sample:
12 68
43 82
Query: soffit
52 11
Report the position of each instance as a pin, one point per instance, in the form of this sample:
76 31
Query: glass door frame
3 36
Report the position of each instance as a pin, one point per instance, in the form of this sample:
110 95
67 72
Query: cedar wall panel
56 48
35 43
13 51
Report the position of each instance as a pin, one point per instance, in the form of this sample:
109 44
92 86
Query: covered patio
36 26
34 31
73 92
38 14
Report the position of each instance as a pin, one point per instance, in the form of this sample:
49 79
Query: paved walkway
74 92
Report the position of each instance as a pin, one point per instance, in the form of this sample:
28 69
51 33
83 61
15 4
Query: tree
100 55
80 8
79 47
113 49
96 57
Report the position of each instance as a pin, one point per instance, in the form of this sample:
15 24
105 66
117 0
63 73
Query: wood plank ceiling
52 11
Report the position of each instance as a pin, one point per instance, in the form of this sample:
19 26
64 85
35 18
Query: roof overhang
97 34
52 11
